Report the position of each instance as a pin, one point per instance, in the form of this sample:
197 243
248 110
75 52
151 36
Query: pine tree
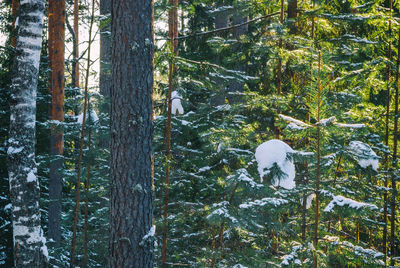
56 47
132 233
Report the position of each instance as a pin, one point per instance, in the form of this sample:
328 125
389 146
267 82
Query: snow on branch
342 201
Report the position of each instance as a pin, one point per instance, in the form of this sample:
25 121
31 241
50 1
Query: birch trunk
29 244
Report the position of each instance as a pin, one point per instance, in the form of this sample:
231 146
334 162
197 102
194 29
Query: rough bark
132 233
29 244
56 10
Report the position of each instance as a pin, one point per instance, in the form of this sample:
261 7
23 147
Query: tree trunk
292 14
56 53
393 181
221 21
238 86
132 233
317 177
385 194
173 33
29 244
75 65
105 51
14 14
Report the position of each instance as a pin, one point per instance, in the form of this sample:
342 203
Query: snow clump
276 152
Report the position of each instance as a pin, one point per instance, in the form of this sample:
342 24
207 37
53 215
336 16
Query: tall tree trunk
292 14
173 33
75 64
82 139
56 53
317 177
29 244
87 188
237 86
132 233
385 194
221 21
393 182
14 14
280 47
105 51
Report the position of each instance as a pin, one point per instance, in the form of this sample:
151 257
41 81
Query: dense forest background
320 76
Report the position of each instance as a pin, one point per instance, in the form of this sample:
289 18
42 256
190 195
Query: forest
199 133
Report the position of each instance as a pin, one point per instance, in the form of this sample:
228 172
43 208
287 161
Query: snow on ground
276 152
364 155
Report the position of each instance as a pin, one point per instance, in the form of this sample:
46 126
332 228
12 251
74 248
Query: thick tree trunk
29 244
56 54
132 233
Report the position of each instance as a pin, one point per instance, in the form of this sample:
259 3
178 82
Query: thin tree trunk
75 63
317 178
105 51
132 234
85 227
393 182
56 50
172 21
14 14
82 140
29 244
385 194
280 47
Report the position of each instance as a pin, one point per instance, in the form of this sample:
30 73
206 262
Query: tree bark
29 244
393 181
221 21
237 86
75 67
132 233
56 54
173 33
14 14
318 172
105 51
385 194
292 14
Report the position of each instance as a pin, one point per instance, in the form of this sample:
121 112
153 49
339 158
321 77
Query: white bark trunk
29 243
